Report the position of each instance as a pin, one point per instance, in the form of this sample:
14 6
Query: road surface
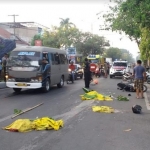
83 128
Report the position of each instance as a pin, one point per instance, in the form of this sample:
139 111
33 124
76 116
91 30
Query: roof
4 33
38 49
24 24
7 35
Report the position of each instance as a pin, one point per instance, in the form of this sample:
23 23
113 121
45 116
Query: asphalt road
83 129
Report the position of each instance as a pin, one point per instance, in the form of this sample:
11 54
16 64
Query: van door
55 68
64 65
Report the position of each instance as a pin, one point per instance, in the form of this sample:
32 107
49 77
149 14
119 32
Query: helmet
136 109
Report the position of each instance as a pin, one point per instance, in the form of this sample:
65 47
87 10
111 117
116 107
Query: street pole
14 16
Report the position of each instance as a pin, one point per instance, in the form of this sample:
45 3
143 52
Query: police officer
87 73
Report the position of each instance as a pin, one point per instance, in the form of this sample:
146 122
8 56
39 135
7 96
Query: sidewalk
2 85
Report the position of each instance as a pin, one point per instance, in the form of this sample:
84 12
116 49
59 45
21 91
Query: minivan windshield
24 59
120 64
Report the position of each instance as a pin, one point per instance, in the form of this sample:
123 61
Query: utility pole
14 16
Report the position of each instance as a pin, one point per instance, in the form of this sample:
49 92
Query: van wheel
46 88
17 90
61 83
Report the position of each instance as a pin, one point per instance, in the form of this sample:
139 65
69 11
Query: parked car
78 71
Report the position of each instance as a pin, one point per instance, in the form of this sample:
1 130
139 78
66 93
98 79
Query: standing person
105 69
87 73
4 63
140 76
72 67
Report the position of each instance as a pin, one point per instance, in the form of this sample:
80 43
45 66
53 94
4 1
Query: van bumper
117 74
23 85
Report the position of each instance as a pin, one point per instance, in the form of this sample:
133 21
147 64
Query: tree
121 19
119 54
36 37
132 18
90 44
145 44
114 53
67 35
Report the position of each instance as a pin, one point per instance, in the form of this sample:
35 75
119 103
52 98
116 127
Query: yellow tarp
20 125
93 95
26 125
47 124
103 109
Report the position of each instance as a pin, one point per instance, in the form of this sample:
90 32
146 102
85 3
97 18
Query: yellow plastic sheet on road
26 125
20 125
47 124
103 109
93 95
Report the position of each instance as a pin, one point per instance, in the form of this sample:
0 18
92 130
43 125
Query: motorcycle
97 72
130 85
148 77
70 76
127 76
102 72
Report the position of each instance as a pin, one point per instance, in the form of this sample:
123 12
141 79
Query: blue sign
92 56
71 51
27 53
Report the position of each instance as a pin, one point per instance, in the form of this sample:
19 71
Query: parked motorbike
148 77
97 72
102 72
70 76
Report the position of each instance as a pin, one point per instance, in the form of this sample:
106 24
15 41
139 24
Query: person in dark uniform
87 73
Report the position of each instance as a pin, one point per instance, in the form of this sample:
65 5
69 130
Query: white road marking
146 101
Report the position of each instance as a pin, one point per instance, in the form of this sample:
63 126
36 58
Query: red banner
38 43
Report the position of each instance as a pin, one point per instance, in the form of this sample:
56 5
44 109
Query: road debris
26 110
122 98
16 111
103 109
93 95
127 130
26 125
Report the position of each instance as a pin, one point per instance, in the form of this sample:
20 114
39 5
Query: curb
3 85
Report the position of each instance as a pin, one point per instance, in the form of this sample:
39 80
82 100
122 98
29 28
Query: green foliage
36 37
145 44
91 44
67 35
16 111
132 18
116 53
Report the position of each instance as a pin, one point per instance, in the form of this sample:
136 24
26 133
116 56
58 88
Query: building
24 31
7 35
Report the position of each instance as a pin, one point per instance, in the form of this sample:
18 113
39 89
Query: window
63 59
52 59
45 55
120 64
57 60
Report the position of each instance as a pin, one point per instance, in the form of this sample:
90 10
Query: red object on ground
93 67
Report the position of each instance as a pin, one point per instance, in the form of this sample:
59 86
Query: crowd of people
90 68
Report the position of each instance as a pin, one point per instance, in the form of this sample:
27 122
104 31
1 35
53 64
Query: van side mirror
40 62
